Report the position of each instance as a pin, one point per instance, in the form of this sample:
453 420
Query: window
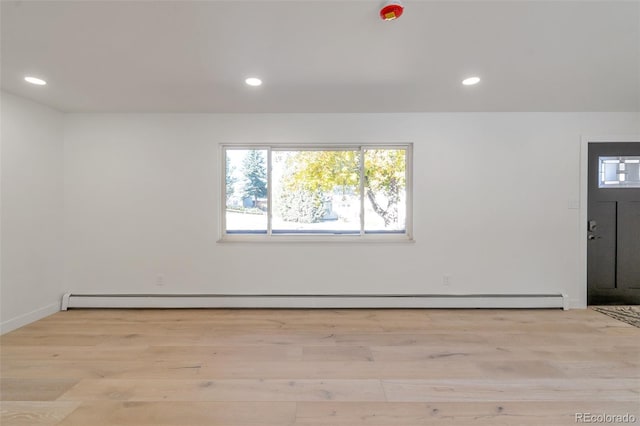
619 172
279 190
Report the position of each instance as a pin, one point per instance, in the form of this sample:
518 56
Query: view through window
354 190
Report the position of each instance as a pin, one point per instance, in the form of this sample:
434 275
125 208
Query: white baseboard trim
576 304
28 318
313 301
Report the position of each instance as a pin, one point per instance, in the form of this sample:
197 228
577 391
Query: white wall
32 209
492 197
105 203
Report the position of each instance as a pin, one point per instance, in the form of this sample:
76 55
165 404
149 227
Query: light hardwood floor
319 367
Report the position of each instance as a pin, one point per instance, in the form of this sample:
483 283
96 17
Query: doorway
613 224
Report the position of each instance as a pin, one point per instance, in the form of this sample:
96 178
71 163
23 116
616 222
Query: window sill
335 239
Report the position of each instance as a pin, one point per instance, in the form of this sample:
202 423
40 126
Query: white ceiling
323 56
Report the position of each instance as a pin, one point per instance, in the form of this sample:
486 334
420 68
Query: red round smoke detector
391 10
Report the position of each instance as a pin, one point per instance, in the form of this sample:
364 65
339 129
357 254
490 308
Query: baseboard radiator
71 300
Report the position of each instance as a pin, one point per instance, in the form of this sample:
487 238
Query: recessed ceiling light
471 81
35 80
253 81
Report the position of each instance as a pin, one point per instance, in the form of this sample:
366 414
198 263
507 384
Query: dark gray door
613 228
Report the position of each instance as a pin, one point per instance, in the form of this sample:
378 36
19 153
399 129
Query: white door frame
580 301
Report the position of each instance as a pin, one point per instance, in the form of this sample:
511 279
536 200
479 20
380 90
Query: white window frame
407 236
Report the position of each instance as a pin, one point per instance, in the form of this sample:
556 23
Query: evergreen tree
230 179
255 176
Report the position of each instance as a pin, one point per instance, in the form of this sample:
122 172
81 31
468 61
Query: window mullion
223 187
361 191
408 173
269 191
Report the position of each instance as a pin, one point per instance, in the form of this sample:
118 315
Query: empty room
359 212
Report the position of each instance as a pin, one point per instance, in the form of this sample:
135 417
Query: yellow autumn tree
324 172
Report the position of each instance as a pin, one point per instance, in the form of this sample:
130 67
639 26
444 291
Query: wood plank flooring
319 367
